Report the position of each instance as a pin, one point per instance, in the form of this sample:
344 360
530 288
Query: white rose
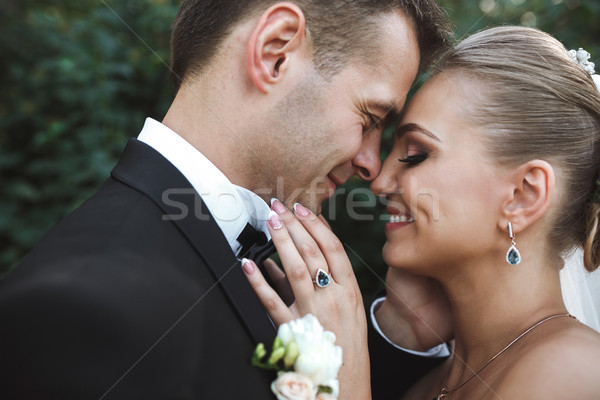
319 358
285 333
293 386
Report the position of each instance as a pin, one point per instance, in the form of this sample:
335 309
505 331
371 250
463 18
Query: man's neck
193 118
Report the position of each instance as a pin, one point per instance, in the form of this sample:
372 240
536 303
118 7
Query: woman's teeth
401 218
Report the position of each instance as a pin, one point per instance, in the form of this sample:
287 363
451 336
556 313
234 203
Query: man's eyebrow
402 129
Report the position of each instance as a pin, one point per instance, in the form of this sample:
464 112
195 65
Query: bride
491 182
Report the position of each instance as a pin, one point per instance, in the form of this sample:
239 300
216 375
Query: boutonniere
306 359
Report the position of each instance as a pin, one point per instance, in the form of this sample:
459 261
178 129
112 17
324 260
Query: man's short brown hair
341 30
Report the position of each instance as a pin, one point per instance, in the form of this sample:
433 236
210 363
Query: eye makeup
416 152
414 159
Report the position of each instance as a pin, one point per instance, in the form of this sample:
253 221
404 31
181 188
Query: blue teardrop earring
513 257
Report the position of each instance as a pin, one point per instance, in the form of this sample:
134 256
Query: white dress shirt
231 206
435 352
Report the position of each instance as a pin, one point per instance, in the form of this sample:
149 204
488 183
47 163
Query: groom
138 294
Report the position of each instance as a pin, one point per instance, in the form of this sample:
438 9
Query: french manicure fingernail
247 266
274 220
301 210
277 206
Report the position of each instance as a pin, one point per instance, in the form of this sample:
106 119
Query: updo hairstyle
537 103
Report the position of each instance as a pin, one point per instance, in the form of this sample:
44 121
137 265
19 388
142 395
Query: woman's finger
329 244
270 300
306 245
294 266
280 282
321 217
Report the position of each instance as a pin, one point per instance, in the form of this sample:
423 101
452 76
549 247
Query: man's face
331 130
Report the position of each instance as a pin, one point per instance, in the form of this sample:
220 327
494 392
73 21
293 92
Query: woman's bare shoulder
561 365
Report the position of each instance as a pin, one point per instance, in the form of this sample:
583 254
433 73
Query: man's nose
368 162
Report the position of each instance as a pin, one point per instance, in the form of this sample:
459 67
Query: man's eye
373 123
414 159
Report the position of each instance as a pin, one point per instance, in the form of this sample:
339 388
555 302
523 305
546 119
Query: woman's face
442 187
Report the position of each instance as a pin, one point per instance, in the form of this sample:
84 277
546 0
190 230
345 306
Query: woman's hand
305 244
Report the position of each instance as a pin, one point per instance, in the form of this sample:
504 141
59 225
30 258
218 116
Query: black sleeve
58 344
66 343
394 371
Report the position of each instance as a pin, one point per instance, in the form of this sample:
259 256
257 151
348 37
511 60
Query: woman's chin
411 263
393 258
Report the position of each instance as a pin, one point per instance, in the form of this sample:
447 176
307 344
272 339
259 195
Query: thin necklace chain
444 392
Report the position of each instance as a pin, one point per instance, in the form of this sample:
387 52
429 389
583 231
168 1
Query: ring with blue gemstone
323 279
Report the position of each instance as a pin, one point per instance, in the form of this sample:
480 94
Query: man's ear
279 32
533 185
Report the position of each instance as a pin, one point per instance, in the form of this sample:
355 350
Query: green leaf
324 389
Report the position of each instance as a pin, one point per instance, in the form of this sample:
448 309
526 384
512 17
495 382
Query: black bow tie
255 245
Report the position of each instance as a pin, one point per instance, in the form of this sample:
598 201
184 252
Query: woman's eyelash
415 159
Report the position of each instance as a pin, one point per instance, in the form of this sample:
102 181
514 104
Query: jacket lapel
144 169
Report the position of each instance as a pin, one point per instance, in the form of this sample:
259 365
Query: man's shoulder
117 236
112 217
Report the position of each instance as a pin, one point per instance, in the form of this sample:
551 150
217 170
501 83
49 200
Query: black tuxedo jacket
135 295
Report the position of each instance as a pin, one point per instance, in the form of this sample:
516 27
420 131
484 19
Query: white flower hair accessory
306 358
582 58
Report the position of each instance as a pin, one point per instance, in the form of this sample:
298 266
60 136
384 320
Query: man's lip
335 181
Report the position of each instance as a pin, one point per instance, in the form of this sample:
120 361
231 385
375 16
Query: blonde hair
537 103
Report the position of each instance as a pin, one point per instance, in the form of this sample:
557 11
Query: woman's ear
279 33
533 185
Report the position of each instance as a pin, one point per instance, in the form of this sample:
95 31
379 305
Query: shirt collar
231 206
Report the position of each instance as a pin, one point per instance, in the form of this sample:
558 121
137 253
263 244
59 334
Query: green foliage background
78 78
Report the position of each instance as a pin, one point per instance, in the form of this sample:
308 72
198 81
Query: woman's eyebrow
402 129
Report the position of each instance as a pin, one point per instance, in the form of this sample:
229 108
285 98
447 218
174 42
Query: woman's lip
392 211
392 226
395 213
398 221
